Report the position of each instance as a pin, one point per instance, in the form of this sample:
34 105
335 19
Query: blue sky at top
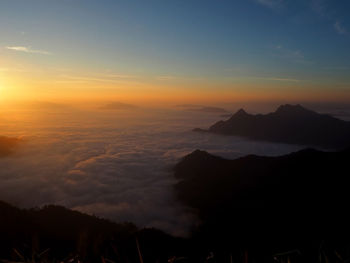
246 40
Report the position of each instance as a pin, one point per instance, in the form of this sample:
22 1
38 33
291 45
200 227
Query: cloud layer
8 145
112 165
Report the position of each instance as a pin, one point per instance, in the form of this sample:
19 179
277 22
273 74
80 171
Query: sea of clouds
116 165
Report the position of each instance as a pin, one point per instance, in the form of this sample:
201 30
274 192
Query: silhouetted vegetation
56 233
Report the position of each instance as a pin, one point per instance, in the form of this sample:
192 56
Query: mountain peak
291 124
288 108
198 155
240 112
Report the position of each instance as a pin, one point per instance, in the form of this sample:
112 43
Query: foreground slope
268 202
56 233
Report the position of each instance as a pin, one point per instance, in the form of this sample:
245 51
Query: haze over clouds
113 165
8 145
116 105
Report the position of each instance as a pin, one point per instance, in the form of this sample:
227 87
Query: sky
175 50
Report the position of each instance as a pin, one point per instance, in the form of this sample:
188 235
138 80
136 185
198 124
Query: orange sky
115 50
31 82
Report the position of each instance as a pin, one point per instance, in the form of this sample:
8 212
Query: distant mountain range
268 202
207 109
200 108
291 124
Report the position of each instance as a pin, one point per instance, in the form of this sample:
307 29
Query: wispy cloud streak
28 50
166 77
341 30
290 54
116 78
321 8
278 79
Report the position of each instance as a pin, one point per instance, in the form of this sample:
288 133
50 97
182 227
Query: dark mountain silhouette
228 115
68 233
291 124
269 204
253 207
7 145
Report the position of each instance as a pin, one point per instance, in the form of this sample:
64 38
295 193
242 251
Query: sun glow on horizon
140 62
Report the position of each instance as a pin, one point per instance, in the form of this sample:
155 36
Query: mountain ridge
304 181
292 124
